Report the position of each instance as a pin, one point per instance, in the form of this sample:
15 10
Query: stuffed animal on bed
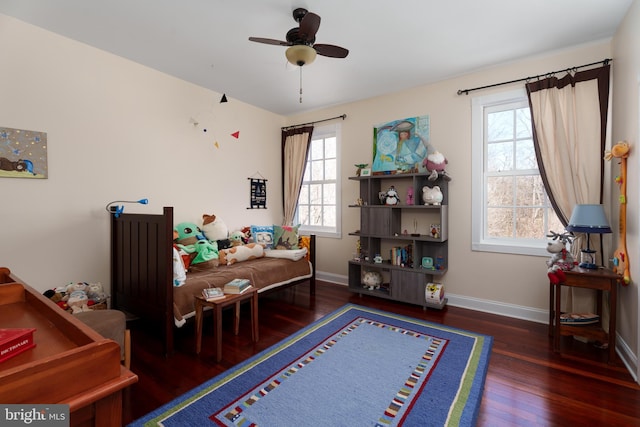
237 238
215 230
188 233
206 254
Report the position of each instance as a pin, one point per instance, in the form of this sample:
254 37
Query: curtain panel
569 116
295 148
570 129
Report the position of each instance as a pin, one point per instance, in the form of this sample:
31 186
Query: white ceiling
393 45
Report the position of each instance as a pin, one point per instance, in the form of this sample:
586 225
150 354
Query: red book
15 341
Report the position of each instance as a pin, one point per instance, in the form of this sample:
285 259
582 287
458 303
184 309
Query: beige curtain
570 130
295 146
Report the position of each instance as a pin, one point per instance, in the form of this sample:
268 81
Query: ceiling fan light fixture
300 55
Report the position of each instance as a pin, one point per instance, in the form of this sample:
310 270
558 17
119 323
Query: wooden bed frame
142 269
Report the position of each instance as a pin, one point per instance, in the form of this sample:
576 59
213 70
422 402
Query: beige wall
118 131
511 281
626 116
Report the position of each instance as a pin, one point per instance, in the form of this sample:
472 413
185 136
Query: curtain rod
344 116
466 91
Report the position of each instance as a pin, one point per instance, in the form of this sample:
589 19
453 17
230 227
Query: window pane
316 194
330 148
330 216
317 149
529 191
499 191
525 155
499 222
317 172
500 156
330 169
529 223
329 194
523 123
500 125
303 214
315 218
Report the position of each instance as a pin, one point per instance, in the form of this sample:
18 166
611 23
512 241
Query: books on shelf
579 318
15 341
211 294
237 286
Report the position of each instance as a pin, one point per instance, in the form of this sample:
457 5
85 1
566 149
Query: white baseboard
537 315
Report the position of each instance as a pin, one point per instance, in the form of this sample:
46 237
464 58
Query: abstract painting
400 146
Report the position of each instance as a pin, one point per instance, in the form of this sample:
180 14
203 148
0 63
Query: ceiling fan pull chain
300 85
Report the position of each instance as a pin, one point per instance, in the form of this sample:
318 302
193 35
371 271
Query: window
511 210
318 205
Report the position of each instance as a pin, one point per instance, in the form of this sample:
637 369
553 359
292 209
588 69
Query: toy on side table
561 259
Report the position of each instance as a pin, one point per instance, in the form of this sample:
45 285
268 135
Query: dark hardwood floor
527 383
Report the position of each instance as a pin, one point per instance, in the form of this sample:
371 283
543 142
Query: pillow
241 253
292 254
285 237
262 235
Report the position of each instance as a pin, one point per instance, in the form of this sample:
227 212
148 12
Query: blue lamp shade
588 219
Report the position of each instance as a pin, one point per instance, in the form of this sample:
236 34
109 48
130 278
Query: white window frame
320 132
479 242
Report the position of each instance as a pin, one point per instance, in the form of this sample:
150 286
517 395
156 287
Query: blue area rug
354 367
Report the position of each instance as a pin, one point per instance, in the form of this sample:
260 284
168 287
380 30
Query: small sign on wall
258 194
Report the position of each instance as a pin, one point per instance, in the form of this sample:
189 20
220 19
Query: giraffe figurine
620 256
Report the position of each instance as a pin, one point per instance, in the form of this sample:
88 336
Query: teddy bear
215 230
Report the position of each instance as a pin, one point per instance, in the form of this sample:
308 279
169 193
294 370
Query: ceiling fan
301 40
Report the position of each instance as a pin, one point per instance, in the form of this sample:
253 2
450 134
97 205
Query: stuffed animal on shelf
215 230
561 259
435 162
390 197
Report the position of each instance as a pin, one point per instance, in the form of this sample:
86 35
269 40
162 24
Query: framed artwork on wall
23 153
400 146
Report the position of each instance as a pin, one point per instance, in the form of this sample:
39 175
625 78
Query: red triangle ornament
236 134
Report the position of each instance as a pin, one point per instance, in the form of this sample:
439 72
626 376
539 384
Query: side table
600 280
217 305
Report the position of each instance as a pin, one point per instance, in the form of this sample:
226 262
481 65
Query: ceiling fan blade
309 26
268 41
331 50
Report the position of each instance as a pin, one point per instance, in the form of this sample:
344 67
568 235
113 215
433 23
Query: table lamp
589 219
